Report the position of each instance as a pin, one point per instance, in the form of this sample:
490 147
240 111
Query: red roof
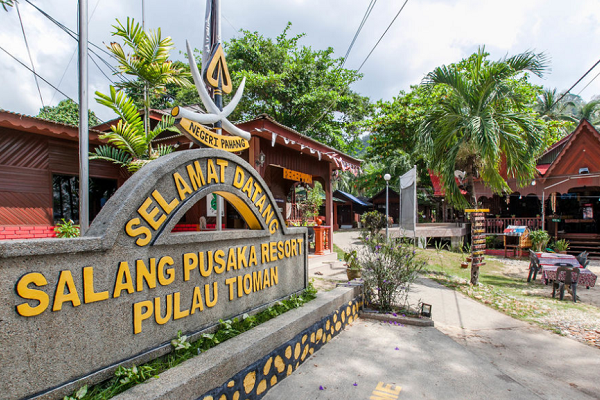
542 168
438 189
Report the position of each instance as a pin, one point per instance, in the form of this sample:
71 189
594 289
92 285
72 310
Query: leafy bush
67 229
539 239
388 270
561 245
494 242
373 222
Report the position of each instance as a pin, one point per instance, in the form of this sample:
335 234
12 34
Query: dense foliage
66 112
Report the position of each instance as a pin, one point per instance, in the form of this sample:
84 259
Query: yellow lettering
89 295
210 303
273 226
168 310
25 292
161 271
248 187
205 272
288 249
197 301
182 187
168 207
219 254
264 251
238 179
196 176
211 174
241 257
274 276
142 230
260 204
257 190
178 314
239 288
231 260
65 280
190 262
222 164
123 272
142 273
266 280
280 250
230 282
294 250
273 250
150 216
257 280
268 214
248 283
300 241
139 316
252 259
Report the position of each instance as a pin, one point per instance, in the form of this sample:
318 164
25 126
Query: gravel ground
580 325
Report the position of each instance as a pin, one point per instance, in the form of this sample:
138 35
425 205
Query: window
65 193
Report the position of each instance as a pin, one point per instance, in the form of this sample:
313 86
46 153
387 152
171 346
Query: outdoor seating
583 259
571 276
534 266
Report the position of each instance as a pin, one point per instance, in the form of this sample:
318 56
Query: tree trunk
472 196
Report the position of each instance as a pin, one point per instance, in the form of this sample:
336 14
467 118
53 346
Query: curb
402 320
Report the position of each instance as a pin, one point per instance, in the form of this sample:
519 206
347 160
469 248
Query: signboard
204 136
296 176
73 307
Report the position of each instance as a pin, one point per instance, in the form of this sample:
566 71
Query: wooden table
547 261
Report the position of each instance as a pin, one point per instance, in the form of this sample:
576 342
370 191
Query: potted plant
539 239
561 246
353 270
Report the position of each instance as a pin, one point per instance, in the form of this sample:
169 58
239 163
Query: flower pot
353 274
464 264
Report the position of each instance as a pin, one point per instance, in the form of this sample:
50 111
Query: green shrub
373 222
388 270
67 229
539 239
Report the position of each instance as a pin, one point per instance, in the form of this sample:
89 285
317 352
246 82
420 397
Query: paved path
473 352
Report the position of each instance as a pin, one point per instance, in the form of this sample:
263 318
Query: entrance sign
296 176
73 307
204 136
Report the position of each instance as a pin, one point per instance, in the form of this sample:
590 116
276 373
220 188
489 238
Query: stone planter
353 274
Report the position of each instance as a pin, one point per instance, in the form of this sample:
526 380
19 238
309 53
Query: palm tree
583 110
481 122
148 62
549 108
132 145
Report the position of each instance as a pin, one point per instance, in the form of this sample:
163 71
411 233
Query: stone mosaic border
255 381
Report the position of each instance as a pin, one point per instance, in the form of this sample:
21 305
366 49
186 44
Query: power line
35 73
575 84
362 23
361 65
29 53
589 83
42 78
387 29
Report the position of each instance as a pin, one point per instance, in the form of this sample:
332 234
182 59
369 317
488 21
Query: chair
534 266
571 278
583 259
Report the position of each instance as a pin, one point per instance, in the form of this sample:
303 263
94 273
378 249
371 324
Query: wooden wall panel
64 159
21 149
25 209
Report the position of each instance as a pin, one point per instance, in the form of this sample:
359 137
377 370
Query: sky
426 34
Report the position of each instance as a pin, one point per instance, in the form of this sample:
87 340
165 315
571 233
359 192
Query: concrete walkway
473 352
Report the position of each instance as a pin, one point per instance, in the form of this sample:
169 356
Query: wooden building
348 210
39 164
39 168
568 186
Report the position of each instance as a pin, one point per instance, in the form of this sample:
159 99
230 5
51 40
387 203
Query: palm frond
108 153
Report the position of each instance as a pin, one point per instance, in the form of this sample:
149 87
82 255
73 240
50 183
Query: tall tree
130 141
67 112
305 89
482 123
556 115
148 63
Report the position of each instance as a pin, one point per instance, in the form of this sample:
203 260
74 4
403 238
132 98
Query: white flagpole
84 217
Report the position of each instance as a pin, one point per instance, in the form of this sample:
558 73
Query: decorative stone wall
254 381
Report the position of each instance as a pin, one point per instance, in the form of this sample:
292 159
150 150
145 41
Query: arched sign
128 286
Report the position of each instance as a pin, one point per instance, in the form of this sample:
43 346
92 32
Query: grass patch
183 350
340 253
514 296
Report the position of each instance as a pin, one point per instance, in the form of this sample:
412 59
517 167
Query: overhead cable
29 53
